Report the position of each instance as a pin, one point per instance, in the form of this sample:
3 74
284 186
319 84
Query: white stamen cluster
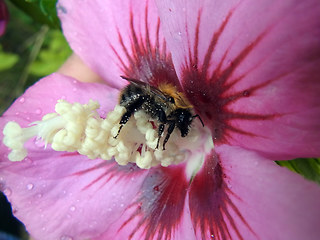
79 128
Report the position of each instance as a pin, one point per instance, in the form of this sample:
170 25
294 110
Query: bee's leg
163 120
124 119
171 127
198 116
160 131
131 108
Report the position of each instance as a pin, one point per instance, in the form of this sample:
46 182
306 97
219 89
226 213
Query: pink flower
4 16
251 71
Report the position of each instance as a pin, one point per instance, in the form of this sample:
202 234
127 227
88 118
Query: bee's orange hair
179 98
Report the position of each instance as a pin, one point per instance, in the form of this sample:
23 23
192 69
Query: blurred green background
33 47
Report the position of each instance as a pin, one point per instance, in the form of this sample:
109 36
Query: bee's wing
146 86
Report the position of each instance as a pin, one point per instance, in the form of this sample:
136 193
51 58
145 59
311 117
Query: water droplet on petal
246 93
72 208
17 113
7 191
93 224
30 186
28 160
39 195
22 100
38 111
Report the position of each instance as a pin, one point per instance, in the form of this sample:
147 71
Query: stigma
74 127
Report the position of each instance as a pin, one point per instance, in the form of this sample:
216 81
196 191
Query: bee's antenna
197 116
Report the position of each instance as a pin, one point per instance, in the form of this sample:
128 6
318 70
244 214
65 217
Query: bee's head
183 120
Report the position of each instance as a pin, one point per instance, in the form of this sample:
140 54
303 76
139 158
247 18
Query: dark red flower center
211 92
160 204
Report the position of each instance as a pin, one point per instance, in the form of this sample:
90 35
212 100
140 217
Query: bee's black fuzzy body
158 105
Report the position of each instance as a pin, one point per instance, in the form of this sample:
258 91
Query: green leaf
7 60
54 53
48 7
42 11
307 167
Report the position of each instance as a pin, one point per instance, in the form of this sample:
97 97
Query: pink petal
251 69
64 195
59 195
245 196
42 97
158 211
117 38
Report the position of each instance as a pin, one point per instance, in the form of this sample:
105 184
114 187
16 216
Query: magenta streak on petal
209 93
111 170
210 205
147 61
160 203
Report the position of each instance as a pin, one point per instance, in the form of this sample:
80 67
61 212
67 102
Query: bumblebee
164 104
